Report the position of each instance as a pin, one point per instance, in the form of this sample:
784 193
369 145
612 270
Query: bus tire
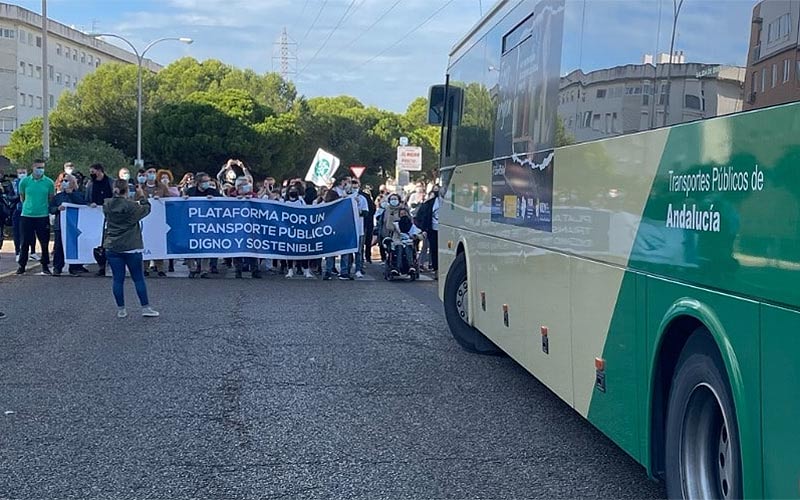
702 450
455 311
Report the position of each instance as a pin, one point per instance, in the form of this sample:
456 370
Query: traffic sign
357 170
409 158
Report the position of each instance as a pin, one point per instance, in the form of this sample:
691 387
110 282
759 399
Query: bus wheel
703 457
456 311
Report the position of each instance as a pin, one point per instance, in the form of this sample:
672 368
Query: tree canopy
198 114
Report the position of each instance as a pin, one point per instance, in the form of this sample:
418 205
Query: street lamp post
676 10
140 60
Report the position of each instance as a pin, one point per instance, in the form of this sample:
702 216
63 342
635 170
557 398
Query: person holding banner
66 192
124 245
202 188
293 198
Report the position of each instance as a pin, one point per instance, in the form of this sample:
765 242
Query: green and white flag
322 168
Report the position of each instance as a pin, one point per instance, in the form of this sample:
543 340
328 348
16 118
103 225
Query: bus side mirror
436 105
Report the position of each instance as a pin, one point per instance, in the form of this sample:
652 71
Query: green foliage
563 138
198 114
85 153
25 144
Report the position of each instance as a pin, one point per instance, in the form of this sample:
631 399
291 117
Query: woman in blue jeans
123 244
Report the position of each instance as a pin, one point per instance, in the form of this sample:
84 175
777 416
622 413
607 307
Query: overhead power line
401 39
314 22
380 18
325 42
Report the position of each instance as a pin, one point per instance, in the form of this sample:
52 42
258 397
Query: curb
14 272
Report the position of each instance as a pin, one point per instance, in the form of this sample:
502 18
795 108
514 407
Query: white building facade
632 98
71 55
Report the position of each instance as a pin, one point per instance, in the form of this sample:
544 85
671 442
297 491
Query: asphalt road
276 389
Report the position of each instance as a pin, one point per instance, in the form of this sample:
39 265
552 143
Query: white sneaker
122 313
16 258
359 274
34 256
307 273
290 274
149 312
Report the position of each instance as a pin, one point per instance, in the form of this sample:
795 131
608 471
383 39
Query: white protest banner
322 168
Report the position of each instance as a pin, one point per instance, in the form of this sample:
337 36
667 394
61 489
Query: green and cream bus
620 214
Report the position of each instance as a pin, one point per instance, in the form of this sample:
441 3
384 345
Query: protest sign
224 227
322 168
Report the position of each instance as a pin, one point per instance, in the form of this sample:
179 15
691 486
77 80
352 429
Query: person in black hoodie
66 192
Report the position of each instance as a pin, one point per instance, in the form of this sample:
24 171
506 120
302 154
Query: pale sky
346 60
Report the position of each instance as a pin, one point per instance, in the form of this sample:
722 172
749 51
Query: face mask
436 192
406 219
93 176
293 195
244 188
141 179
151 177
38 172
165 180
69 170
394 202
22 175
125 177
64 185
131 194
205 185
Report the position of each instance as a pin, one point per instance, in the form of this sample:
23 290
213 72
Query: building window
22 67
75 55
596 122
97 63
52 101
30 38
58 77
754 82
39 72
763 80
779 28
39 41
50 71
67 80
30 69
67 50
58 49
83 57
614 123
601 93
692 102
22 36
30 100
21 99
645 99
786 70
774 75
91 60
38 102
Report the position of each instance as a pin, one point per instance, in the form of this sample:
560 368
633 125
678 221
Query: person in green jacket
124 246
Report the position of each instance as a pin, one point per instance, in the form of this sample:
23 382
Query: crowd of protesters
30 203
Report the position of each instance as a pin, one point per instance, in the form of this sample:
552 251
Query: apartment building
633 98
773 66
71 56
